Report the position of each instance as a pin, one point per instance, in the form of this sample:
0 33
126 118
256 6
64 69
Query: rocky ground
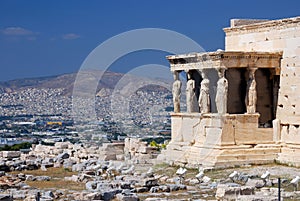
74 172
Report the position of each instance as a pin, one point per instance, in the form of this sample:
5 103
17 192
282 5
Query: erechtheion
242 103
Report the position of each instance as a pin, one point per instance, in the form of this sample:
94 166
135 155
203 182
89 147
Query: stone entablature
225 59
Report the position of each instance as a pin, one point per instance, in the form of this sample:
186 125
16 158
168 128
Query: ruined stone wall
276 35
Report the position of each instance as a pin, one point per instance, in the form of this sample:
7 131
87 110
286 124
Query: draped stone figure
191 100
251 95
204 99
176 91
222 90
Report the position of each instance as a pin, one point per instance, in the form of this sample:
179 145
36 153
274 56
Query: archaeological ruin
241 103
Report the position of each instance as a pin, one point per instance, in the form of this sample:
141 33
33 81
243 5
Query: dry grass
51 172
57 184
57 179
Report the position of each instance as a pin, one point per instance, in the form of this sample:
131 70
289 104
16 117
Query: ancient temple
242 103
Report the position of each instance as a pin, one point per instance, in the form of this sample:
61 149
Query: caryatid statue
204 100
251 95
176 91
222 90
191 100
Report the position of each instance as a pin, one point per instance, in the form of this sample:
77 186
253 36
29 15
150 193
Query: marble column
191 100
176 91
251 94
204 99
222 90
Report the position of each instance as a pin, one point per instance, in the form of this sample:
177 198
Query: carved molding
263 26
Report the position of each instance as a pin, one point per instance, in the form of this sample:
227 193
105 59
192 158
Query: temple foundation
212 140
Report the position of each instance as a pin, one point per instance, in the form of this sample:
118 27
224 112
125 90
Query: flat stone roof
252 24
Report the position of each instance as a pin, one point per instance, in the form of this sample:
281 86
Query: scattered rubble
121 172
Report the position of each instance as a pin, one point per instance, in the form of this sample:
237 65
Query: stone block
224 192
227 137
11 154
63 145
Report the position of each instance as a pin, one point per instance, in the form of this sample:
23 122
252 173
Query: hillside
66 82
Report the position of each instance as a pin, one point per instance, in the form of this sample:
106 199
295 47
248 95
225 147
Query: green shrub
16 147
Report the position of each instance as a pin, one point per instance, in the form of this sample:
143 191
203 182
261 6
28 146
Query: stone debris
106 176
129 179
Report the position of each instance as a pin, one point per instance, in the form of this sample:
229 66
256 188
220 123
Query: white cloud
70 36
17 31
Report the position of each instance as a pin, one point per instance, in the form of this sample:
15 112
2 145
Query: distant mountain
66 82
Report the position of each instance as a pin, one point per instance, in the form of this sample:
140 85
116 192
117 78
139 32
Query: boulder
31 164
57 165
164 188
227 193
48 160
154 189
47 196
68 163
42 178
4 167
43 168
63 145
193 181
30 177
206 179
149 182
72 178
248 190
108 195
79 167
125 185
156 199
94 196
19 195
21 176
257 183
48 165
5 197
141 190
62 156
84 177
127 197
91 185
177 187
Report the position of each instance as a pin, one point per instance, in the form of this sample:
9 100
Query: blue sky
43 38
